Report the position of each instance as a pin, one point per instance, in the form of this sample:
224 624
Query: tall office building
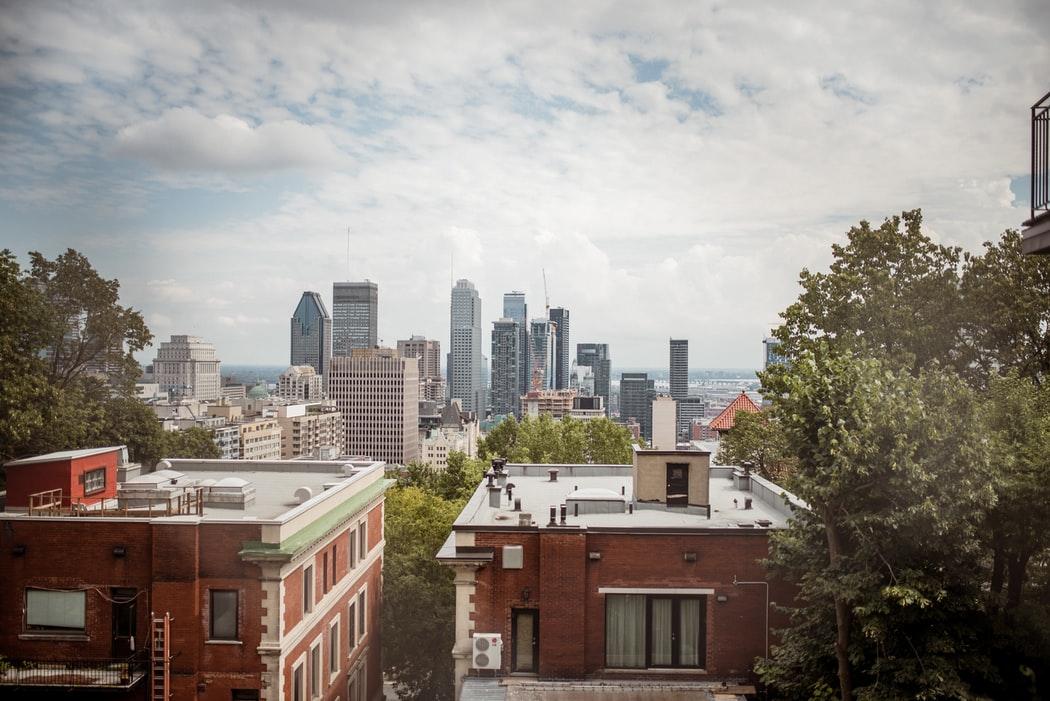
428 353
311 333
506 387
377 392
679 368
539 355
514 307
596 357
637 392
466 376
559 316
355 316
186 368
771 353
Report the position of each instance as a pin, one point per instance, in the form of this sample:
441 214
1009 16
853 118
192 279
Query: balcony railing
54 502
1041 157
121 673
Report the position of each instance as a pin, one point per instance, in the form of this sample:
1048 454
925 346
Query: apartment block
260 439
311 430
211 580
300 383
428 352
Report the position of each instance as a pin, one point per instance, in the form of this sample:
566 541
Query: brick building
204 580
640 572
88 476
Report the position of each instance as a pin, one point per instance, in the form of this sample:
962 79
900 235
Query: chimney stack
564 513
554 516
553 474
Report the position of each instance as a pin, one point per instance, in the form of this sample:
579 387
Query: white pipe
766 585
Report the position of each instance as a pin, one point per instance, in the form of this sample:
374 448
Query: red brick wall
23 480
564 583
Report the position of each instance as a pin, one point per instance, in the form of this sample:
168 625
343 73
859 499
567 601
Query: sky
671 166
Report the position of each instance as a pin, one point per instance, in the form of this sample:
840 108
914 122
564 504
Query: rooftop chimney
554 516
494 496
553 474
524 519
564 513
517 504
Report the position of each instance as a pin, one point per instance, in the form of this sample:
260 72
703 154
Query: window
315 671
655 631
223 615
297 683
94 481
308 589
352 556
56 611
334 577
324 573
362 538
361 614
333 648
351 627
355 688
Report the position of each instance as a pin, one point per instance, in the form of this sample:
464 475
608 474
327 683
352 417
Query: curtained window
60 611
625 630
654 631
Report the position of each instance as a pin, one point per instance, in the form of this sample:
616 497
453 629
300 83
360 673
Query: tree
890 290
419 600
757 438
1007 327
1018 416
895 473
499 441
608 443
194 442
544 439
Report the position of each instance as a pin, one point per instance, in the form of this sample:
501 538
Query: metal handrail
1040 202
80 672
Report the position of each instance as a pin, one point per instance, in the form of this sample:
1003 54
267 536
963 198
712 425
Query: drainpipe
737 583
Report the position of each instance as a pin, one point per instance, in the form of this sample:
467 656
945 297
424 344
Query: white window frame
314 671
334 632
88 489
362 538
351 616
351 556
300 666
308 589
362 613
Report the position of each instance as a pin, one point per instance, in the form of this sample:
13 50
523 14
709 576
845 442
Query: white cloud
185 140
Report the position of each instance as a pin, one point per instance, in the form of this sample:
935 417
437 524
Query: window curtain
661 633
55 609
689 625
625 630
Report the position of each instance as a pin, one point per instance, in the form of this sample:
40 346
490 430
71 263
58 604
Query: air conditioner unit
488 651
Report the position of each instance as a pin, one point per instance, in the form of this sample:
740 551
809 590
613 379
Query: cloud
169 290
183 139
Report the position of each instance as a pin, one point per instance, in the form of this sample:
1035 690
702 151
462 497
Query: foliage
895 473
547 440
194 442
456 482
890 291
59 322
757 438
419 600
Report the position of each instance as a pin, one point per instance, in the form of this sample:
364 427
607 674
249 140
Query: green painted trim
254 549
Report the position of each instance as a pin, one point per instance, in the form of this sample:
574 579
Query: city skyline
216 180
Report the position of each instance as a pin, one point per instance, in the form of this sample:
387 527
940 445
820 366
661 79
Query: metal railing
54 502
120 673
1041 157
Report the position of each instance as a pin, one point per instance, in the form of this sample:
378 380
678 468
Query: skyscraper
378 393
596 357
562 364
506 388
311 334
514 307
428 352
636 400
355 315
539 355
465 372
679 368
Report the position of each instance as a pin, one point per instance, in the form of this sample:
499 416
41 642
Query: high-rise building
771 354
315 430
559 316
311 333
378 393
539 355
355 316
428 352
636 400
466 376
679 368
506 387
186 368
596 357
514 307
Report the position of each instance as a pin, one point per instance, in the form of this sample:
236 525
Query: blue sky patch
648 70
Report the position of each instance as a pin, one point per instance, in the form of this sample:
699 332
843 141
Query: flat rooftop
608 483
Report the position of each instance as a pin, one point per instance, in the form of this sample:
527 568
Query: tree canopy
544 439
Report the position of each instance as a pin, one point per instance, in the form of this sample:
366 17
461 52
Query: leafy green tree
1007 325
1018 416
500 440
419 600
544 439
194 442
890 290
608 443
895 473
572 442
757 438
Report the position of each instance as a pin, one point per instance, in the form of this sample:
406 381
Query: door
525 631
676 632
124 620
677 484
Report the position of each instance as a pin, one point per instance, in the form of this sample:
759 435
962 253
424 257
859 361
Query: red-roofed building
724 421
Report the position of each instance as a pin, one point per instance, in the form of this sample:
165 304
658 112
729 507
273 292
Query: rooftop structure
264 577
572 572
724 421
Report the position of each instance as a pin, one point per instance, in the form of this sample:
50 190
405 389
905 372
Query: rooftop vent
229 493
303 494
552 473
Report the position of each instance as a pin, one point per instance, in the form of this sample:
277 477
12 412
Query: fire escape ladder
160 659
